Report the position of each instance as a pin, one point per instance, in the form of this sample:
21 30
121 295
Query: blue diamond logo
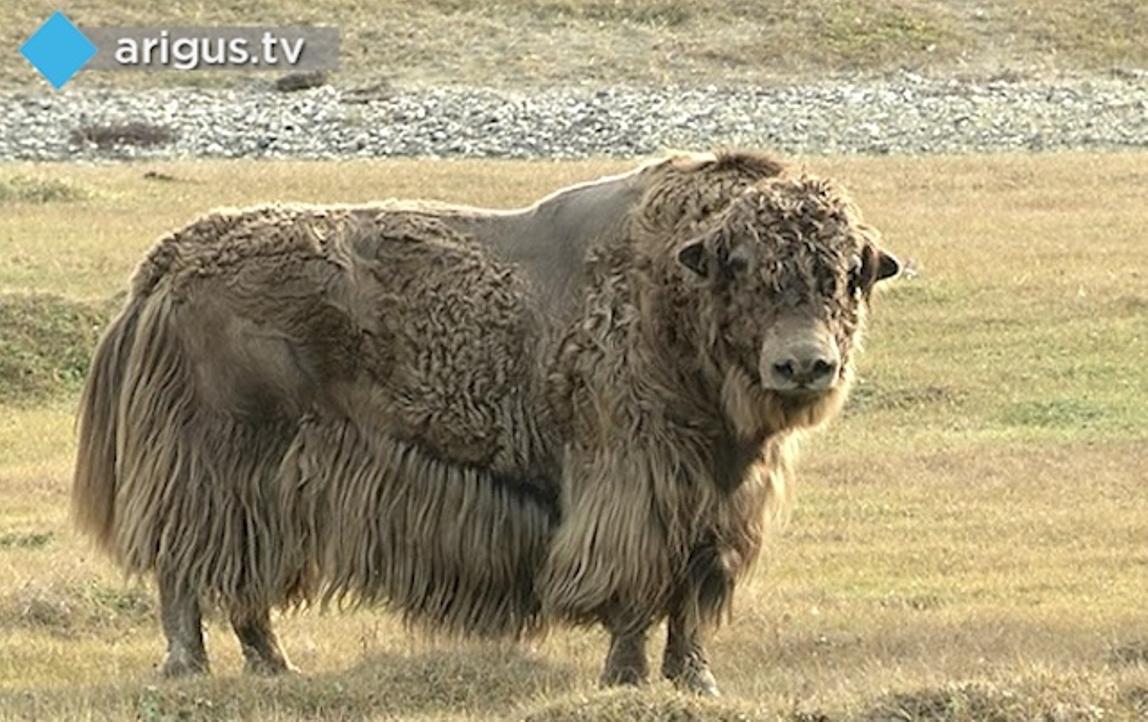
58 50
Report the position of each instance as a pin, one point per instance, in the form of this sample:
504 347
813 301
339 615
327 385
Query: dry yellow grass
511 42
969 542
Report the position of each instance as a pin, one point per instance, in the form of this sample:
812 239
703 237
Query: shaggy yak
582 411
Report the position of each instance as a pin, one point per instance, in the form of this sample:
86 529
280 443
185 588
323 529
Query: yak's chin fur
757 412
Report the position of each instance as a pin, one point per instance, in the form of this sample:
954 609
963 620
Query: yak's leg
260 646
693 612
684 662
183 627
626 661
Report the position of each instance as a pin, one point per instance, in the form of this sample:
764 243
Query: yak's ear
695 257
887 266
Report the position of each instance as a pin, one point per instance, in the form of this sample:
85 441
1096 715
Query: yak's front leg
684 662
183 628
626 662
261 648
693 613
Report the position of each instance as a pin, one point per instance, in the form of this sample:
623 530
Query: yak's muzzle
800 356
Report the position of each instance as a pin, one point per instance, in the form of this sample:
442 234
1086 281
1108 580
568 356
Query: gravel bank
907 114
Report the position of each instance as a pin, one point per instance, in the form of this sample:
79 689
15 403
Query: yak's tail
98 422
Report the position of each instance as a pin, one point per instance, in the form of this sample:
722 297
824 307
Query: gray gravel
905 114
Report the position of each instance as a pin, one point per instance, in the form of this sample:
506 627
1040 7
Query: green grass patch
46 345
858 33
74 607
25 189
1054 413
25 540
871 395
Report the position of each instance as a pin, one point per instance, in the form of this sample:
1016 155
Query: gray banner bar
296 48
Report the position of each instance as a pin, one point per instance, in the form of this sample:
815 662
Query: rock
293 82
907 113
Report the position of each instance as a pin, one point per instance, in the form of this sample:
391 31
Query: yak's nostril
821 367
784 369
811 370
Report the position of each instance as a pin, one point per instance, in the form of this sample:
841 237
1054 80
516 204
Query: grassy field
511 42
970 541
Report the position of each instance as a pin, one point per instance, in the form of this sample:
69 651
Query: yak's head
785 273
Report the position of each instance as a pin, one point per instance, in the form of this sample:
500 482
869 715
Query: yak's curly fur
362 404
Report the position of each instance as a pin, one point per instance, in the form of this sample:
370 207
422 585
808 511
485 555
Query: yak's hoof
694 676
701 683
181 664
269 667
623 677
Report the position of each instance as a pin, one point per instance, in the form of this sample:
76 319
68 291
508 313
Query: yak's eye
737 263
734 261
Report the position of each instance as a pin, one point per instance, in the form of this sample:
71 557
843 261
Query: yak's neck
716 404
732 456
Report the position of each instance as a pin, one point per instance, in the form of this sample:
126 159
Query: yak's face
787 270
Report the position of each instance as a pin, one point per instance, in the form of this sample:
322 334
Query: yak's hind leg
261 648
693 612
183 628
626 662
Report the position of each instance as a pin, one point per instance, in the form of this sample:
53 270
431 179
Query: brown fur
383 404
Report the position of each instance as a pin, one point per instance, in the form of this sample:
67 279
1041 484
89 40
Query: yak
582 411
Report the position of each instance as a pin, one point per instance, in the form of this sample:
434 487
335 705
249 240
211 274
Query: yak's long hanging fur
386 522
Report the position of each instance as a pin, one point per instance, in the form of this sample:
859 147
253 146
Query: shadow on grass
509 683
1136 697
655 703
986 702
962 702
486 682
1130 654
